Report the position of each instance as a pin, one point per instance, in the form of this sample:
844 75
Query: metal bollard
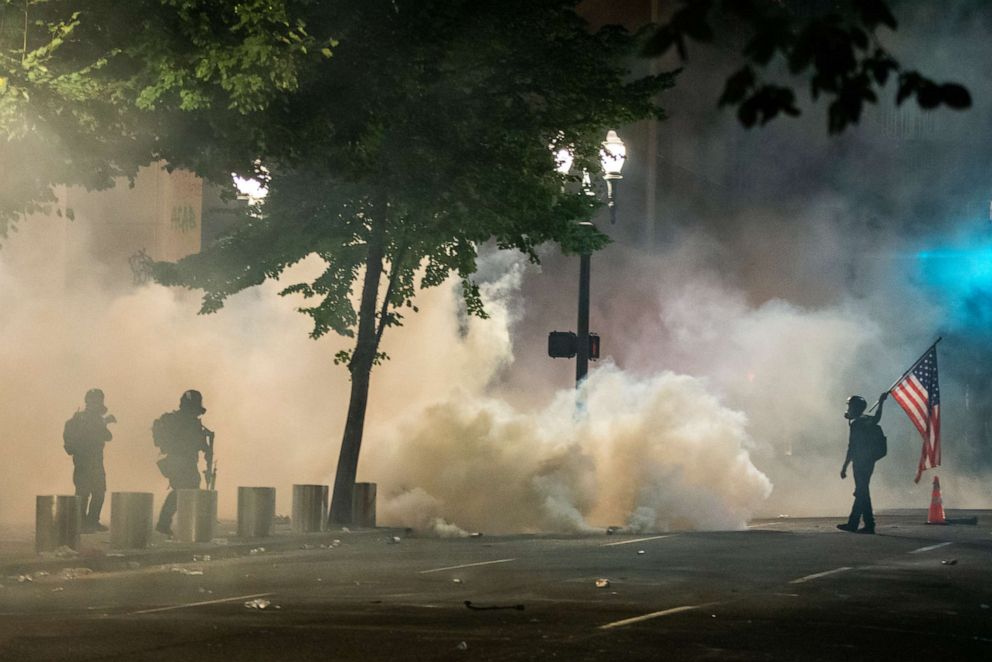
256 510
309 508
57 522
196 515
363 505
130 520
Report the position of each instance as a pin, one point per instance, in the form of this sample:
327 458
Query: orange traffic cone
936 515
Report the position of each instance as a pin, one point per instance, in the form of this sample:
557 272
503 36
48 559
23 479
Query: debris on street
468 603
394 540
63 552
187 571
949 562
610 530
602 583
256 550
201 557
462 646
73 573
258 603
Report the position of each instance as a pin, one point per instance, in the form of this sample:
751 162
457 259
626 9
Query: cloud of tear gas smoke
274 398
651 454
654 452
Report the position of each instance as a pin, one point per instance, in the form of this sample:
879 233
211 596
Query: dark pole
582 351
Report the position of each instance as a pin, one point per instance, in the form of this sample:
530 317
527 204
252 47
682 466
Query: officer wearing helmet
181 437
84 437
863 450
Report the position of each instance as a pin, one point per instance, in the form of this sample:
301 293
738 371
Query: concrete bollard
256 510
57 522
196 515
363 505
130 520
309 508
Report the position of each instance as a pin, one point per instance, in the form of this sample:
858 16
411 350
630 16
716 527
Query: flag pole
911 368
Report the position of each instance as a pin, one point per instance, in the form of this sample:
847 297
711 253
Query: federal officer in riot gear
866 445
84 436
181 437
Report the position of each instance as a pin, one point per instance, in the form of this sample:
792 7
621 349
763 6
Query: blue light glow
961 277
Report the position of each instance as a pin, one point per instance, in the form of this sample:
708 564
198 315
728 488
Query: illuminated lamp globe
613 155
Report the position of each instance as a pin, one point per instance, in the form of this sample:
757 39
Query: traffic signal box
564 345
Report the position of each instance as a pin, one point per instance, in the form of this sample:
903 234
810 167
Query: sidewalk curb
163 553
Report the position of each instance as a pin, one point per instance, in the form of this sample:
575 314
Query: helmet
94 401
94 396
192 401
856 406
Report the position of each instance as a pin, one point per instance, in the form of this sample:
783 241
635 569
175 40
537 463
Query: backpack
162 432
72 434
877 442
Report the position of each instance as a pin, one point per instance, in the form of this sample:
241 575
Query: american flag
919 395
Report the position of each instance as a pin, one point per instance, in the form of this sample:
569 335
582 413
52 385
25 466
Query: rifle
210 473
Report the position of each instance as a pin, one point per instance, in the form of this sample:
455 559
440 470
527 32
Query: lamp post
613 155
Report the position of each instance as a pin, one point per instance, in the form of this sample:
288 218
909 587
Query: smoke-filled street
520 329
781 589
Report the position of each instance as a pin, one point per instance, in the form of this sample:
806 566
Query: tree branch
394 272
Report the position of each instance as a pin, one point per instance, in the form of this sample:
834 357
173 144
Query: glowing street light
613 155
563 160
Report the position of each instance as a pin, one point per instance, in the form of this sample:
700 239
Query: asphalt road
782 590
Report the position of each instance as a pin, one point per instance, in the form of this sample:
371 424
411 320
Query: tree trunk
366 346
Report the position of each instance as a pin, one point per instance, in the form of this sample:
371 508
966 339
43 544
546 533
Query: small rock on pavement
640 551
257 603
602 583
394 540
256 550
949 562
462 646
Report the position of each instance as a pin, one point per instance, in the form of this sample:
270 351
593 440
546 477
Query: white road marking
198 604
629 542
803 580
930 547
464 565
654 614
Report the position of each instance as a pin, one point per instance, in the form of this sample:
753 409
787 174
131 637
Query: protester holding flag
866 445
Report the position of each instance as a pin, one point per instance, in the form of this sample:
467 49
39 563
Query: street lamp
613 154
